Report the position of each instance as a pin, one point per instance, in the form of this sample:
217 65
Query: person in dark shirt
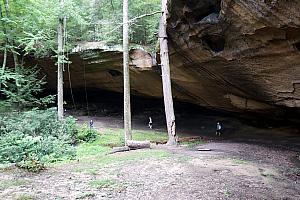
91 124
150 123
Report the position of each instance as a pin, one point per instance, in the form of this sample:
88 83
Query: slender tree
127 109
166 78
13 49
5 47
6 41
7 12
60 58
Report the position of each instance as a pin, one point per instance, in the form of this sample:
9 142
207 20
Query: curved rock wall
97 66
236 54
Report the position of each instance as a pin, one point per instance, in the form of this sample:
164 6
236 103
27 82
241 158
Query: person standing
150 123
218 129
91 124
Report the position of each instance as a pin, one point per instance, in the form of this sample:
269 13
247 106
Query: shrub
20 87
86 134
32 164
32 138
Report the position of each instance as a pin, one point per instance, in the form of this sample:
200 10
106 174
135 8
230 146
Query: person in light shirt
218 129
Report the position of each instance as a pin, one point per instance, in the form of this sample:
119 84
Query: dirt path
229 171
232 170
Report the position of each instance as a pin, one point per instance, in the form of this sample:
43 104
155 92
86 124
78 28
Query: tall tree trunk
5 50
6 42
60 88
12 42
6 7
13 50
166 78
16 62
127 109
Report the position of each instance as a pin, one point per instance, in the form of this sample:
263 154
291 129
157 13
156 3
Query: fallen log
119 149
132 144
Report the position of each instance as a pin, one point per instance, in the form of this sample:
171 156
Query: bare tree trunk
5 32
5 50
166 78
15 55
4 60
16 62
6 42
127 109
13 50
60 83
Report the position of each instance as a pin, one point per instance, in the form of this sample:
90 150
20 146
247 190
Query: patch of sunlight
102 183
25 197
5 184
115 137
93 155
93 164
192 144
239 161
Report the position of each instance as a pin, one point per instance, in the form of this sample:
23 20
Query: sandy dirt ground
229 171
239 166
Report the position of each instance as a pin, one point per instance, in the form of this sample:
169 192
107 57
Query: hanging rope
86 94
67 58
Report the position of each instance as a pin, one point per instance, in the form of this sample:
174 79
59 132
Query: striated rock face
96 66
236 54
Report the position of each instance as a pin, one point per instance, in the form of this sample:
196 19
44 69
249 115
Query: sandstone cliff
236 55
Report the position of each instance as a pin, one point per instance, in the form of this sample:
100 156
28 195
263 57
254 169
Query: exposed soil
237 167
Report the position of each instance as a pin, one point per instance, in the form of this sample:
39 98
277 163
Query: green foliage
86 134
151 136
102 183
21 87
93 156
31 26
113 138
35 137
25 197
86 195
8 183
239 161
106 21
5 77
192 144
32 163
